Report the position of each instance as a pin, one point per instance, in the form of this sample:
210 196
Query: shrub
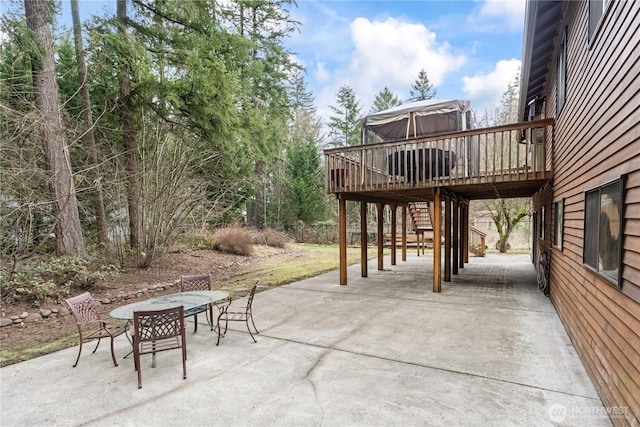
270 237
234 240
203 240
54 278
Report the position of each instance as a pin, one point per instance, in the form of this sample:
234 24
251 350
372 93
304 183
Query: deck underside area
448 171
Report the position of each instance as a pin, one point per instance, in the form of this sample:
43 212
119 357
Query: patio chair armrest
116 330
103 323
224 307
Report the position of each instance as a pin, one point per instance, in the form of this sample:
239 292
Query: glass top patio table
188 300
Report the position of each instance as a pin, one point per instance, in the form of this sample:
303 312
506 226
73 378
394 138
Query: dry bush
270 237
234 240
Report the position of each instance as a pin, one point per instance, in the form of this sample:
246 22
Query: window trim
558 223
617 282
592 33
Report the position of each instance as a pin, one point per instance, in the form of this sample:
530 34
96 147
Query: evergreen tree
64 203
345 124
384 100
206 94
305 198
265 106
305 186
301 98
293 175
422 89
23 178
89 142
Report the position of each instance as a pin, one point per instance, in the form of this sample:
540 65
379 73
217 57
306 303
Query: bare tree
89 138
68 232
506 214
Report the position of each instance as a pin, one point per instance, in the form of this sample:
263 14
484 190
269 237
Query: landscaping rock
33 317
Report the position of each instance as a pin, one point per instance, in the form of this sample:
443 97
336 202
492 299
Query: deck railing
503 153
477 241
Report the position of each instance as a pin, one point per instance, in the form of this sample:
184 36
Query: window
603 219
558 223
597 9
562 74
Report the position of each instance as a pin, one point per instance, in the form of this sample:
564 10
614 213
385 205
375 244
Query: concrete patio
384 350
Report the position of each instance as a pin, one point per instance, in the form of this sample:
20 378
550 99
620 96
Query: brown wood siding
597 139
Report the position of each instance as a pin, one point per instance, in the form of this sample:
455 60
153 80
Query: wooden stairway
421 213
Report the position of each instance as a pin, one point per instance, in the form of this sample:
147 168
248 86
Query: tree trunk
89 139
257 206
129 139
503 243
68 232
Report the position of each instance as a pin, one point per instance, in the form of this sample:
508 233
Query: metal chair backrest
251 295
90 326
83 308
153 326
158 330
201 282
198 282
228 314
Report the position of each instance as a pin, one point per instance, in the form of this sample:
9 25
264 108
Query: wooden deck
477 164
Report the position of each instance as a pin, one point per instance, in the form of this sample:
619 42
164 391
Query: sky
470 49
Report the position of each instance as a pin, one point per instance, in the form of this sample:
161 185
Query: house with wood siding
576 153
581 67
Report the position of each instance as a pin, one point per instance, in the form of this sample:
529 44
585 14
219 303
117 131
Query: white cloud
322 74
390 53
485 90
497 15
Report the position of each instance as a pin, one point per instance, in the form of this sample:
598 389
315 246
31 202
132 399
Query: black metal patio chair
241 314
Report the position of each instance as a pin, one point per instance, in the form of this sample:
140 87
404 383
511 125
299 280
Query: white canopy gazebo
418 119
423 119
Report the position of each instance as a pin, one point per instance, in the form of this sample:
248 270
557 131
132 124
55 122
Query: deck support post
437 241
380 208
456 236
447 239
462 233
394 220
342 226
466 233
404 233
363 239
